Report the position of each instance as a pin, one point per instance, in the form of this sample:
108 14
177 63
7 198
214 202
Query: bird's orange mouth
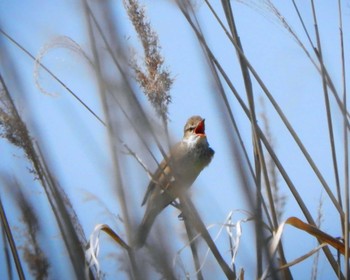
200 129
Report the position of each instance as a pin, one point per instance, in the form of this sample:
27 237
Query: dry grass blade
93 247
322 237
58 42
319 234
115 236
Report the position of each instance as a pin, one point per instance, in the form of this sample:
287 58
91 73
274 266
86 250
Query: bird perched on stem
175 174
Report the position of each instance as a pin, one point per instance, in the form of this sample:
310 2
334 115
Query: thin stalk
223 95
346 143
256 141
128 89
193 245
111 133
327 104
191 213
328 78
11 241
7 253
74 243
52 75
260 159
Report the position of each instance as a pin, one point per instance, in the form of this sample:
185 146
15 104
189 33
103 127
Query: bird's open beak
200 129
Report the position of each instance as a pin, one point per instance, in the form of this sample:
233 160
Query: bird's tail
144 228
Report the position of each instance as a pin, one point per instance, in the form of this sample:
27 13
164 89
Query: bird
175 174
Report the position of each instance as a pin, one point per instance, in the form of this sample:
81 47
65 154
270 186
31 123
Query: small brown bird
176 173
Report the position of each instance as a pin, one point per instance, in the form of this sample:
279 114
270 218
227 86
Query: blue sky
78 146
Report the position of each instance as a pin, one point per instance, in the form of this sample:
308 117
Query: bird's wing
155 180
162 177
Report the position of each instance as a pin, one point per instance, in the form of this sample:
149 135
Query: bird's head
194 130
